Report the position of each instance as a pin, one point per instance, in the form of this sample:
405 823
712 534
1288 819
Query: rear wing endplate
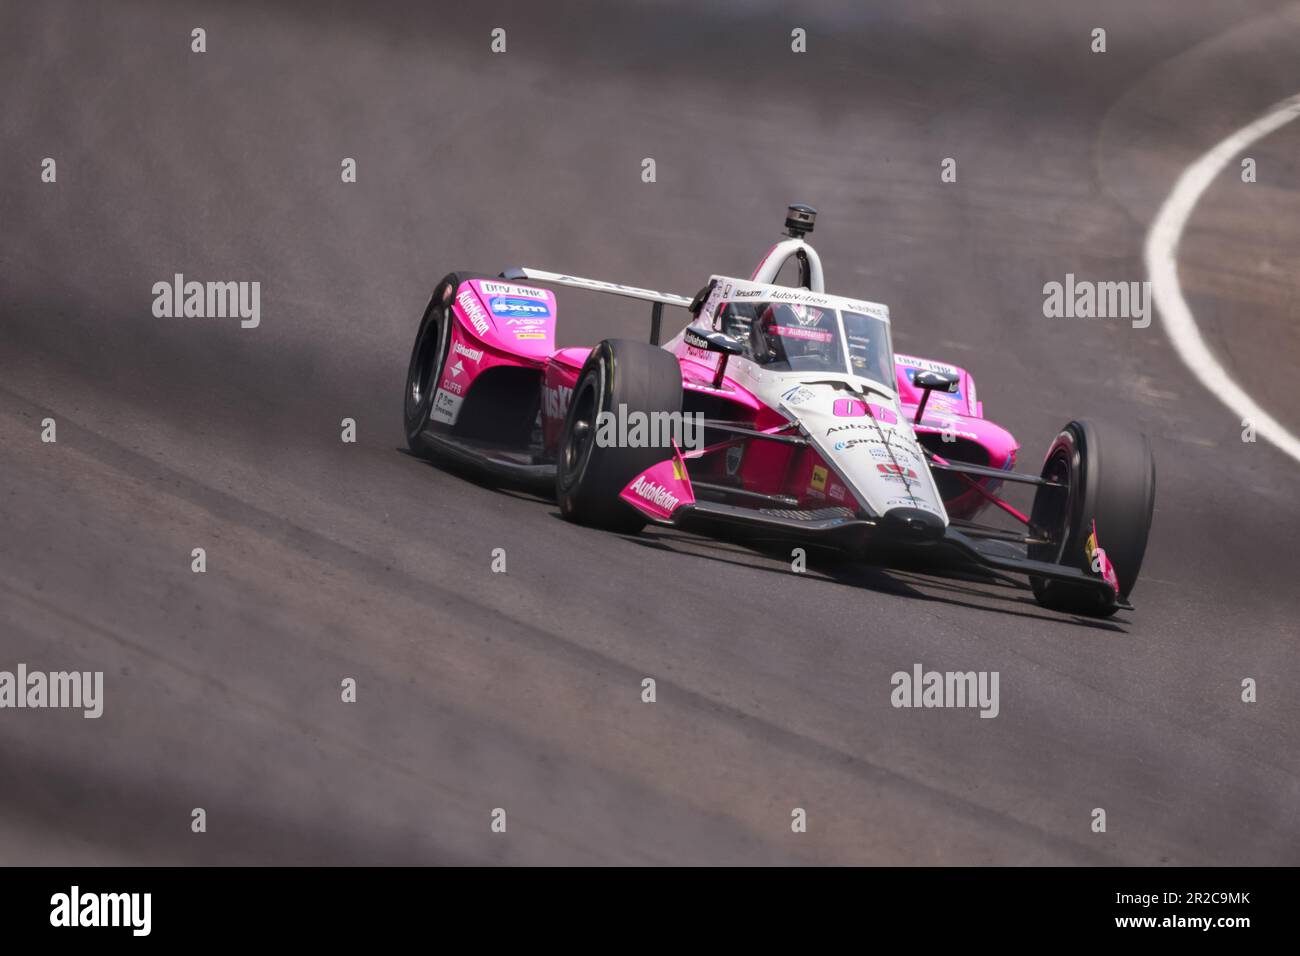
658 299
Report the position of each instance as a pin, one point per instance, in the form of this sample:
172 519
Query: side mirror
713 342
936 381
929 382
719 342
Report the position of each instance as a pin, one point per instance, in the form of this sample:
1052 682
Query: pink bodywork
960 416
505 323
499 323
661 489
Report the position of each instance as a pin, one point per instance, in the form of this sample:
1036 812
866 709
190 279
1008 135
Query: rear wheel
428 355
1107 476
619 376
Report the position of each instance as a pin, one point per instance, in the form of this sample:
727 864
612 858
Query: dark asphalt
523 690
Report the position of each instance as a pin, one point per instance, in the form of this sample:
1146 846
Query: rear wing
658 299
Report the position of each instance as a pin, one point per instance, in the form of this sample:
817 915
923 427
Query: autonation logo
635 429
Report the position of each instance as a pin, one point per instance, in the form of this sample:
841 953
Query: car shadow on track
986 592
952 586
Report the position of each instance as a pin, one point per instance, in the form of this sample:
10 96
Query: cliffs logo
515 308
657 495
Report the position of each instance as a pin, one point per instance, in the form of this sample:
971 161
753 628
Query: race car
780 410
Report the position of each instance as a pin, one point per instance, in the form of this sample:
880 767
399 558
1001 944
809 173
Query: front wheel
1101 476
619 377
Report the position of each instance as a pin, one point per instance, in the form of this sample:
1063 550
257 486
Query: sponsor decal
507 289
930 426
474 355
892 445
446 407
516 307
913 364
795 332
735 454
1098 561
798 395
897 473
457 369
807 317
790 295
818 478
453 387
694 340
837 491
656 494
892 469
851 426
529 335
556 400
477 317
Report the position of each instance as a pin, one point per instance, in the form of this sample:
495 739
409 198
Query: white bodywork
855 423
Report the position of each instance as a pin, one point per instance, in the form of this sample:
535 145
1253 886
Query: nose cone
912 525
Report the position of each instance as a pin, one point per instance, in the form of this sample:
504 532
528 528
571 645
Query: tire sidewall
1111 483
643 378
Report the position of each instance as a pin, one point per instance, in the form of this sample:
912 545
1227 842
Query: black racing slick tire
428 355
1108 477
590 476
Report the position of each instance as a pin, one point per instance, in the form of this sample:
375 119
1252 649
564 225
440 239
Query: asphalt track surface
523 690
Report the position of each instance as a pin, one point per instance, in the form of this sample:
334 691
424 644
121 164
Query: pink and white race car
783 410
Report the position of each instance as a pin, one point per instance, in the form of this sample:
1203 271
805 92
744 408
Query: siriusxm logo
518 308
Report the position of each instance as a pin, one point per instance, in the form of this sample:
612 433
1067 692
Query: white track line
1162 266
